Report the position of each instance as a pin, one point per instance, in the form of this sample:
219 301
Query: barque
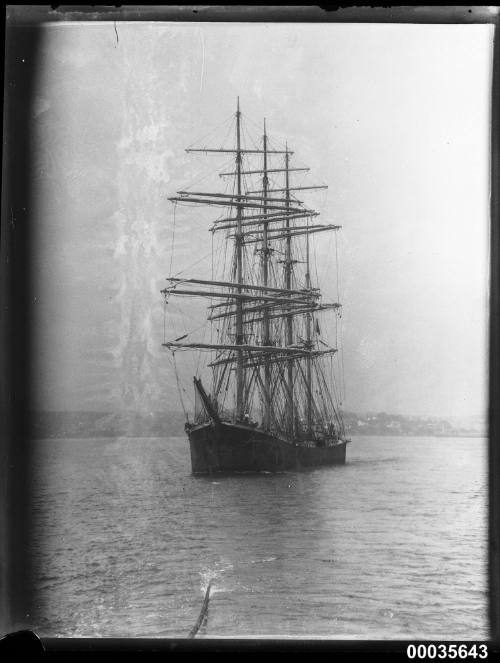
273 401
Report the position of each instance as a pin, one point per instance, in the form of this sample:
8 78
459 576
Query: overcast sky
394 118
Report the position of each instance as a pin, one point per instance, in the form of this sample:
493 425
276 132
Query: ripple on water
389 546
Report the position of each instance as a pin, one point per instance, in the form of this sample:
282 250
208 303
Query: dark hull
227 447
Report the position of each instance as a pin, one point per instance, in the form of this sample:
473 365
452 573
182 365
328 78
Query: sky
394 118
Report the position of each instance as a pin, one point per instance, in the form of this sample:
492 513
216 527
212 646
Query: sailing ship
273 401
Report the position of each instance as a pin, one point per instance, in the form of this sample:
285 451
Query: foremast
266 396
268 355
239 238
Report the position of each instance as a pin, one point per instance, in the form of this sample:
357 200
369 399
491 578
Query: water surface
392 545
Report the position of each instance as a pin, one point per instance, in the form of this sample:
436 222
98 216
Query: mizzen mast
309 346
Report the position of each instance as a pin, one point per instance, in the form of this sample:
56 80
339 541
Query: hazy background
395 118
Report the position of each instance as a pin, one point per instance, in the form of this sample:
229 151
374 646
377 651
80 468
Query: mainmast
239 270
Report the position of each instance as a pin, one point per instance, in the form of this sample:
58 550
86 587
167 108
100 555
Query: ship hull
227 448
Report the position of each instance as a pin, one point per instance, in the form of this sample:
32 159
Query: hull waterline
227 448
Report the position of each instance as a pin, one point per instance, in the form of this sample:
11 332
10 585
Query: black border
21 48
251 13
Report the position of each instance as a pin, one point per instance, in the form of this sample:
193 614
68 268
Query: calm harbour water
392 545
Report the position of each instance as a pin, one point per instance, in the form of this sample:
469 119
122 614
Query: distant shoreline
91 425
477 436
